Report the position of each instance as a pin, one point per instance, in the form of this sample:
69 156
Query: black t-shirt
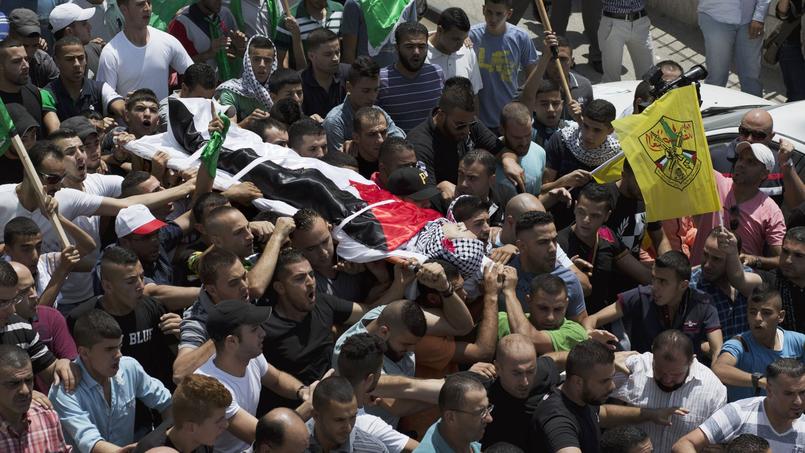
366 168
159 438
30 98
11 170
512 415
793 299
559 158
303 349
603 257
142 338
560 423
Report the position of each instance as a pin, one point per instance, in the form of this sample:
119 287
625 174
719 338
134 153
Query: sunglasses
735 217
52 178
757 135
4 303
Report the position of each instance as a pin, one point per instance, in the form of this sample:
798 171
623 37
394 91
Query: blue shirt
575 295
533 163
433 442
338 125
753 357
410 101
500 58
731 315
86 416
735 12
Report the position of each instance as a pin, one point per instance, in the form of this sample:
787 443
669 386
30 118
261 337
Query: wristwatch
756 381
448 292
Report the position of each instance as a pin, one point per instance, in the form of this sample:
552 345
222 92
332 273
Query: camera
659 87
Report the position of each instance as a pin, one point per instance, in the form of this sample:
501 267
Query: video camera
659 87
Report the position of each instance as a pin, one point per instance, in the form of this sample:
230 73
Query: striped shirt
623 7
409 102
41 432
702 393
748 416
19 332
307 24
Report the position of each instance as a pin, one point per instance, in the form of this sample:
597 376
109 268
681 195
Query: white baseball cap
65 14
761 152
136 219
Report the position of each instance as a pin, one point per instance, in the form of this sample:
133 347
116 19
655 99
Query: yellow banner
667 150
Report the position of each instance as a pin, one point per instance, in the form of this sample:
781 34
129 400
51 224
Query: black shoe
597 66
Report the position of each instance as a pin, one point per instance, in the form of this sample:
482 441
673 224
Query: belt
626 16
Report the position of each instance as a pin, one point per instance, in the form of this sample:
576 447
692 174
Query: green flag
382 17
163 11
7 129
211 151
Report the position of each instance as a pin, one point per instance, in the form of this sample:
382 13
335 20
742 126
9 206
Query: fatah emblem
671 145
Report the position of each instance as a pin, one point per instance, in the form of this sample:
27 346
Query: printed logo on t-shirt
499 62
690 326
143 336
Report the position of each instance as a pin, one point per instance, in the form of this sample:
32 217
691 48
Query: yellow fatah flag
667 150
609 171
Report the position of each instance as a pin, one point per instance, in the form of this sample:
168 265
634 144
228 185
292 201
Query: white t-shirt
126 67
245 395
393 440
72 204
462 63
78 286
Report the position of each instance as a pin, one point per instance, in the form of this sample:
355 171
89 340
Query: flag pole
33 176
546 22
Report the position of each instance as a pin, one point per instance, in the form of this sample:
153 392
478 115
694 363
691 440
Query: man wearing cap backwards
73 91
26 29
69 19
235 329
411 185
748 212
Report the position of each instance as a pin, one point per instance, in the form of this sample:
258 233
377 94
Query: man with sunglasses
757 126
747 211
442 140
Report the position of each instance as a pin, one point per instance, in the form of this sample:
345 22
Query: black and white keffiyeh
247 85
464 253
571 136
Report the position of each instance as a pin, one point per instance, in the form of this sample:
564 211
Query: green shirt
569 334
243 105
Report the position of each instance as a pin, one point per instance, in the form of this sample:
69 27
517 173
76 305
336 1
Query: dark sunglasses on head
757 135
51 178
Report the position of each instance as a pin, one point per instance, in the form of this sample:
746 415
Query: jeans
590 15
792 65
725 43
614 34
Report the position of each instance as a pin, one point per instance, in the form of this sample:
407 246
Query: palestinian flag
370 223
382 17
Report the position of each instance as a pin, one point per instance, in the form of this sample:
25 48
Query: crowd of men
547 315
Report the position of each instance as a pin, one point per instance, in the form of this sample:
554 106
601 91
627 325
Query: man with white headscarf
249 94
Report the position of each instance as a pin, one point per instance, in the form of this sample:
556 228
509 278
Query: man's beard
667 389
408 66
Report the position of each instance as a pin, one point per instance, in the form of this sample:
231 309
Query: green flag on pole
163 11
211 151
382 17
7 129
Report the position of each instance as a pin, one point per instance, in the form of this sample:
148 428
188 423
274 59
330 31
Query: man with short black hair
477 176
465 413
742 361
410 88
452 126
668 303
748 443
332 426
548 112
370 130
362 87
776 417
626 439
26 426
789 279
395 153
286 84
446 48
307 138
16 86
569 418
323 81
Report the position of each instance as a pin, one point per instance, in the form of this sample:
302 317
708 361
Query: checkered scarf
247 85
464 253
571 136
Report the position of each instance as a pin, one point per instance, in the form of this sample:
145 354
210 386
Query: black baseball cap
80 125
411 182
225 317
24 22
